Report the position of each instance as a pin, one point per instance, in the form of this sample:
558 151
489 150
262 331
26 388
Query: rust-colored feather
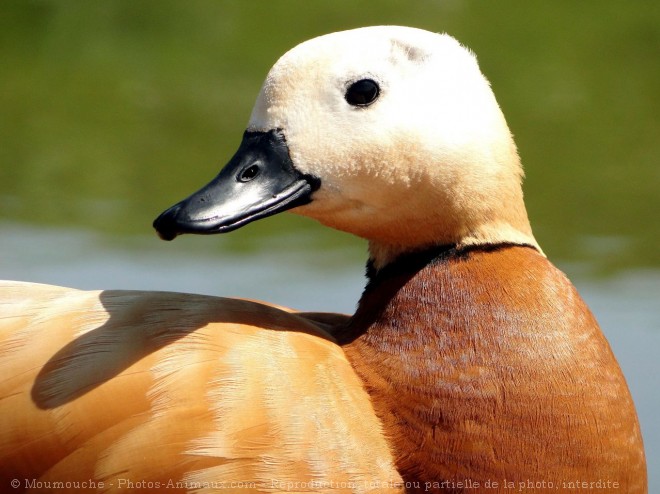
469 368
487 366
483 366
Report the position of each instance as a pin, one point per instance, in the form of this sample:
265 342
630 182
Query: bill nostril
249 173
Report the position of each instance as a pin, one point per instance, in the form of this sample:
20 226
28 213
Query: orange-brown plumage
471 364
486 365
121 386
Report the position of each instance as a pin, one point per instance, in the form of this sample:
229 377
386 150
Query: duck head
390 133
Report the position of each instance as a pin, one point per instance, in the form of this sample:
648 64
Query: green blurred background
111 111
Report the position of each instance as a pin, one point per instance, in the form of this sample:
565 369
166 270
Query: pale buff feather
154 386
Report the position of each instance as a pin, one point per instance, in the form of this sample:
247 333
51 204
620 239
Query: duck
471 363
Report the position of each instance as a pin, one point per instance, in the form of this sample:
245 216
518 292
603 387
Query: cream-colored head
430 161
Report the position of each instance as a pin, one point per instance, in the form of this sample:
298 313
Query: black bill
259 181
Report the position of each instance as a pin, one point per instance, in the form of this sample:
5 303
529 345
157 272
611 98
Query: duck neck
474 357
383 254
411 340
386 295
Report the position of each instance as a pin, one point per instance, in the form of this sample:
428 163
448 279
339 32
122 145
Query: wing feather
191 392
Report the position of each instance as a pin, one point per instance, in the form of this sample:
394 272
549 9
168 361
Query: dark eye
362 93
249 173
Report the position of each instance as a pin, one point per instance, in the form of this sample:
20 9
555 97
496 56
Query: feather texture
126 387
485 365
471 361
